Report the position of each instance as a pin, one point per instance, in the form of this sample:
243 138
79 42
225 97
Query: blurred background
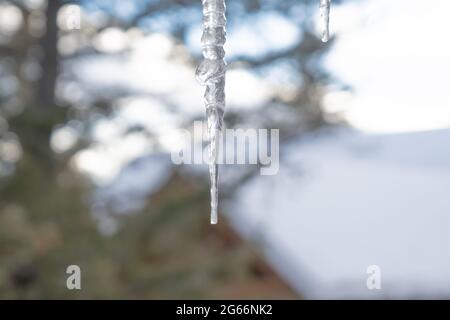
92 94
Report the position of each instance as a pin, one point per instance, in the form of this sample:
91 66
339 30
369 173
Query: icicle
325 19
211 73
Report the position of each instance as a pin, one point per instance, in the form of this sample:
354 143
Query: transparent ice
211 73
325 19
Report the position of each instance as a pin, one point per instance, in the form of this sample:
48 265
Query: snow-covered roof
344 201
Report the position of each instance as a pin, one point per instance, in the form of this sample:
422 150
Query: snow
345 200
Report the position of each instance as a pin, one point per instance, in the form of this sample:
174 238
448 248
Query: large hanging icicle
211 73
325 19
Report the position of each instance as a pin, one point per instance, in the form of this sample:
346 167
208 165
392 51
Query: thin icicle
211 73
325 19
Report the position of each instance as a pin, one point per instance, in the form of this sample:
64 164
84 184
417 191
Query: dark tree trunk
46 86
